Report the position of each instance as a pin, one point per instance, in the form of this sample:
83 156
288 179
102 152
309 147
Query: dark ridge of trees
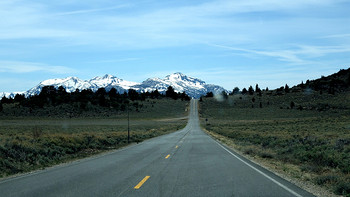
170 93
332 84
6 100
337 82
50 96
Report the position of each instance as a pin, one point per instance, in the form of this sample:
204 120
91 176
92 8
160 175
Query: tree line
51 96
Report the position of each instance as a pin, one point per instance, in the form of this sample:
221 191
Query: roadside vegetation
56 126
302 132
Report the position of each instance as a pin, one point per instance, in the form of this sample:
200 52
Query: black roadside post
128 125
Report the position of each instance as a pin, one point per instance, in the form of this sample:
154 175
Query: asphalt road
184 163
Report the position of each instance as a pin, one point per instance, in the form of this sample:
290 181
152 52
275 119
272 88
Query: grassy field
305 136
36 141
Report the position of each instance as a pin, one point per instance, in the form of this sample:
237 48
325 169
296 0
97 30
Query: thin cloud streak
293 56
30 67
337 36
164 27
115 60
88 11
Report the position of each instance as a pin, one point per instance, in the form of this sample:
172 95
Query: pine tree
133 95
235 90
257 89
251 90
171 93
286 89
113 93
19 98
292 105
244 91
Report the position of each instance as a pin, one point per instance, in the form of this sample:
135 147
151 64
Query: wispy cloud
29 67
299 55
150 28
337 36
115 60
89 11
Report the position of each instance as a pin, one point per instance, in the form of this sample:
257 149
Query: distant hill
338 82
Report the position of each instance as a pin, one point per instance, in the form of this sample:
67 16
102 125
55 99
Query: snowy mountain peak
181 83
58 81
176 77
107 76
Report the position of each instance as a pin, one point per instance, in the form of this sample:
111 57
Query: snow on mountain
110 81
10 94
181 83
69 83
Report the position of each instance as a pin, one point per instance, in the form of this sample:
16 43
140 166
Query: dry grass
311 145
29 143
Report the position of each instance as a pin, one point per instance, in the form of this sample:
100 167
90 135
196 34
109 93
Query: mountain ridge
193 87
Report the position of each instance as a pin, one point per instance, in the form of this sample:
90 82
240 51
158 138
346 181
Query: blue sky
229 43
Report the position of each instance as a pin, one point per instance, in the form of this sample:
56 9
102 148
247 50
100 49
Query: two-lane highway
184 163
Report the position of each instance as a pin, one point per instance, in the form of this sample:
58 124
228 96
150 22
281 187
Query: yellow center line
141 182
167 156
177 147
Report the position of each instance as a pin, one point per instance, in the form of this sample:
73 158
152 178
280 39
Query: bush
342 188
249 151
311 168
321 180
266 155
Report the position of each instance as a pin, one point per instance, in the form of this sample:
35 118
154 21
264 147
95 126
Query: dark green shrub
266 155
342 188
249 152
311 168
327 179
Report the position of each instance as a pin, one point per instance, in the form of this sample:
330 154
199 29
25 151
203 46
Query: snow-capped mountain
181 83
110 81
71 84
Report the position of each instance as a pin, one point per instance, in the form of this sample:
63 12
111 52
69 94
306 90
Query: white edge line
265 175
